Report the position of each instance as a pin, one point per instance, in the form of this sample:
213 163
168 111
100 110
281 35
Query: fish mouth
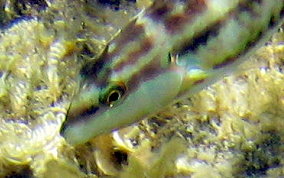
74 117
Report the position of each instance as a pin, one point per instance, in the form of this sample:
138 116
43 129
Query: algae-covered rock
234 128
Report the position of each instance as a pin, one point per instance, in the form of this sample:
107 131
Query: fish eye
112 94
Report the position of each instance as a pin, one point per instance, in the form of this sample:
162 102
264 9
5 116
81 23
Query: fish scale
171 50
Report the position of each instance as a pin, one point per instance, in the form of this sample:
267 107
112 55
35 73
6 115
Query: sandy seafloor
233 128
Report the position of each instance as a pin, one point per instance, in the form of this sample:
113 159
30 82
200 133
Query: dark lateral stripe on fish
91 69
130 33
202 38
163 13
195 6
146 73
133 32
212 31
174 23
251 44
159 10
133 56
100 68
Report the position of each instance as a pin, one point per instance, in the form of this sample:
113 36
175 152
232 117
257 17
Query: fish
171 50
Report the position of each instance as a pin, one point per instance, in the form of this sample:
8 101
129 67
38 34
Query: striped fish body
172 49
